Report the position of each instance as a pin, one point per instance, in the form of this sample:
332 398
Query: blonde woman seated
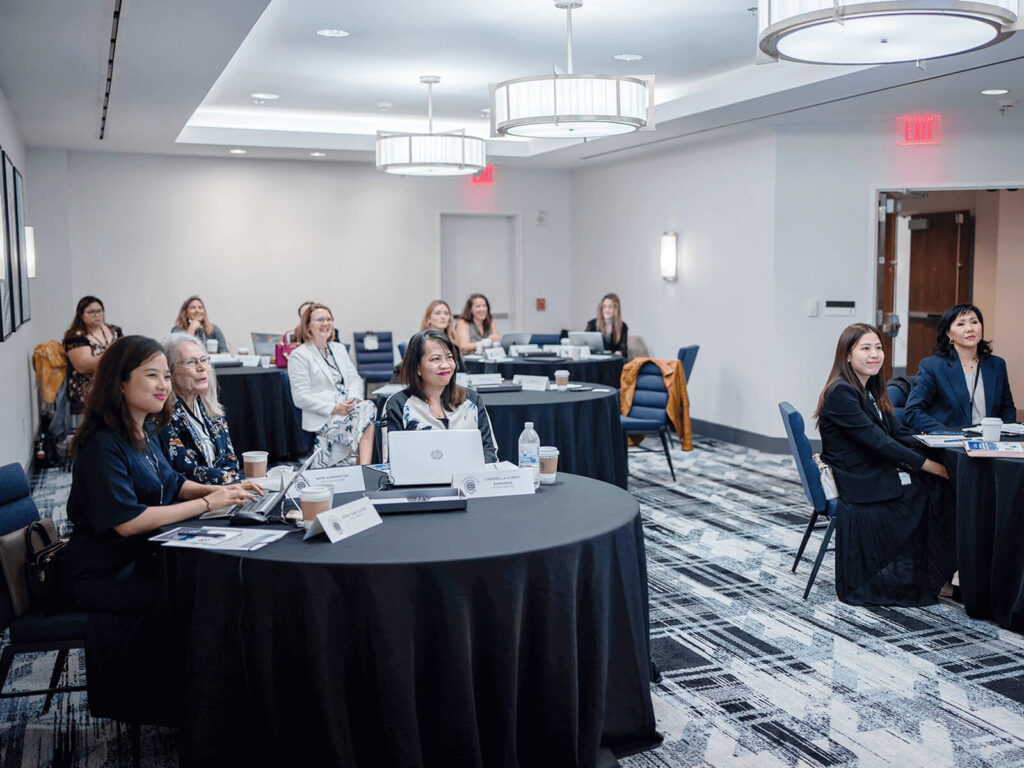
192 320
196 442
476 324
431 398
439 317
329 391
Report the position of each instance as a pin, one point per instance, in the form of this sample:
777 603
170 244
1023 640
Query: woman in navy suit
962 382
895 523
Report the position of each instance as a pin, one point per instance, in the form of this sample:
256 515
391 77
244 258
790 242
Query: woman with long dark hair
895 526
962 382
85 341
123 490
476 324
431 398
609 322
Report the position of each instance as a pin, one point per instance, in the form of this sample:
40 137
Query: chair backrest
804 455
16 511
545 338
296 411
378 361
650 399
898 390
687 356
635 347
402 346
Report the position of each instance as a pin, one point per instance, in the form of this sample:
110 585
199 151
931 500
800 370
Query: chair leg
821 556
664 441
807 535
5 664
58 669
135 735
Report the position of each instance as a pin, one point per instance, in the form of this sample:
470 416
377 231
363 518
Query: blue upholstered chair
402 346
545 338
296 411
648 416
811 480
898 390
377 364
687 356
32 630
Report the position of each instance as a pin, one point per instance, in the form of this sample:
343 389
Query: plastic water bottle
529 452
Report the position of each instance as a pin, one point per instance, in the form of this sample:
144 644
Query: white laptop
432 456
590 339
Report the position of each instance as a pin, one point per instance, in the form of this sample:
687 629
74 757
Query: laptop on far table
265 343
592 339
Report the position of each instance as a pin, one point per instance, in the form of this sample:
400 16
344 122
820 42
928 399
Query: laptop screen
432 456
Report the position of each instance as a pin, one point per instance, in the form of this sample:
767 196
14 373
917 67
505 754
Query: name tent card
531 383
344 521
494 482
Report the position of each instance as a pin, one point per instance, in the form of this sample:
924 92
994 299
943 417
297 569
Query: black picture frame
6 311
19 230
12 242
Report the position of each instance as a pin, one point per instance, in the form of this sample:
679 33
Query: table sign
249 361
531 383
515 350
495 354
472 379
344 521
344 479
996 450
498 482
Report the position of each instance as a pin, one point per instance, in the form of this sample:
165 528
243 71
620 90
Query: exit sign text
920 129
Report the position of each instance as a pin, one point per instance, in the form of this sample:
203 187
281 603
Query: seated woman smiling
431 398
197 442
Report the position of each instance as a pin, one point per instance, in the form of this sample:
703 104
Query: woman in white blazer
328 390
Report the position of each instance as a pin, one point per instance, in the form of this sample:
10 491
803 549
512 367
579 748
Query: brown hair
105 405
843 371
77 327
453 395
182 321
450 330
616 322
304 333
467 312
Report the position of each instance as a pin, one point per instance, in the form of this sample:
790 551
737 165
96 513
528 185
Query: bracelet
203 499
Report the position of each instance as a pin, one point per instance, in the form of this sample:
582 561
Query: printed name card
494 482
344 521
483 378
531 383
343 479
494 353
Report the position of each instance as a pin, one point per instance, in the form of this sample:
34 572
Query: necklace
151 460
969 365
103 331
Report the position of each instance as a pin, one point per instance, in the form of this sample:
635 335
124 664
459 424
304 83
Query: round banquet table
606 372
989 535
514 633
259 411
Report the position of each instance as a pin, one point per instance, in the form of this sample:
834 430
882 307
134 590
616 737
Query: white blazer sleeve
306 394
353 381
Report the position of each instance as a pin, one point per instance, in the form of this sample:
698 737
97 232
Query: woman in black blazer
895 525
609 322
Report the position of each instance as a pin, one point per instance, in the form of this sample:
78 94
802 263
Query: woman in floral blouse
196 442
85 342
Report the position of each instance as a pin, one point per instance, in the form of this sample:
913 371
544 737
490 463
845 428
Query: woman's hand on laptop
229 495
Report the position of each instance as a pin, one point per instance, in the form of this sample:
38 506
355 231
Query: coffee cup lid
254 455
991 420
548 451
316 493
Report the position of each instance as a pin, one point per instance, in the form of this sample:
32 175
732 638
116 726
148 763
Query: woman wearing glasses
85 342
329 391
196 442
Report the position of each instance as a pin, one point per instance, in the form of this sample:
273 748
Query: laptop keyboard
262 505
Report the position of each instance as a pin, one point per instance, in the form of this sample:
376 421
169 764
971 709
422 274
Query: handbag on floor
828 481
43 551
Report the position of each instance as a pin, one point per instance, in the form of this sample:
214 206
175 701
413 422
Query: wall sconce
668 256
30 249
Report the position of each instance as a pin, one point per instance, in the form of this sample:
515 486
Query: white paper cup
548 464
991 429
212 345
243 350
561 378
255 463
315 499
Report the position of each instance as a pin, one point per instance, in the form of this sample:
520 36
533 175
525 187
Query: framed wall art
14 286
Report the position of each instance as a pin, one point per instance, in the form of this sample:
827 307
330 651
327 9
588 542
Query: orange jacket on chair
678 407
50 362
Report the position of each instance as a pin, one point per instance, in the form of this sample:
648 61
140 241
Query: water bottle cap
529 425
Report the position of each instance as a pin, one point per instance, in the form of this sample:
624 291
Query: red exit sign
919 129
486 176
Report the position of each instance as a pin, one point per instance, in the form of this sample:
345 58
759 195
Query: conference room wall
254 238
18 402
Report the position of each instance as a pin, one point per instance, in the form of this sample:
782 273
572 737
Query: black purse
43 553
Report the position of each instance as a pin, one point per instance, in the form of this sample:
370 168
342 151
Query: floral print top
185 438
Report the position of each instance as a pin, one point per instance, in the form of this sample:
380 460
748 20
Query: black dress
130 654
609 344
895 542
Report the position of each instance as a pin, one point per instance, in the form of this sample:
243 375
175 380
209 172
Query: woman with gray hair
196 442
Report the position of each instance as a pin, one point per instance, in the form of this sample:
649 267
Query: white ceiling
184 71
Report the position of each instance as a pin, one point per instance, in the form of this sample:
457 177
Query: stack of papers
995 450
940 441
210 537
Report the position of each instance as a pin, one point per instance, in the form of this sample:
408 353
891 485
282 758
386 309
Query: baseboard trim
743 437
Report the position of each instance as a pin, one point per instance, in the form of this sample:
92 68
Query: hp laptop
508 339
590 339
432 456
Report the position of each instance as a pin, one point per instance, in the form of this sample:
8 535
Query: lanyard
974 388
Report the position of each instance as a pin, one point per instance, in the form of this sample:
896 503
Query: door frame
517 256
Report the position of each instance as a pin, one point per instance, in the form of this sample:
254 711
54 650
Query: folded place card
472 379
344 521
249 361
496 482
344 480
531 383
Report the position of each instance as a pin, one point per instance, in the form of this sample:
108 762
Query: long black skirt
898 552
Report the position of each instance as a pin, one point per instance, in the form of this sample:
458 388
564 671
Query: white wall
16 414
255 238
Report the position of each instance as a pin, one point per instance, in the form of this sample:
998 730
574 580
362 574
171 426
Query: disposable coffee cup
243 350
255 463
315 499
991 429
561 380
212 345
548 464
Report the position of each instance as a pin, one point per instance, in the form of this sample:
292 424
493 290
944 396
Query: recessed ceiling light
485 112
384 106
995 92
332 33
627 57
265 96
237 151
318 154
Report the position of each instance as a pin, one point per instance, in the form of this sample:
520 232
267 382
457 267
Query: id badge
904 478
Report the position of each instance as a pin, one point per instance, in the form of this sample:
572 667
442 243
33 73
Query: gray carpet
752 675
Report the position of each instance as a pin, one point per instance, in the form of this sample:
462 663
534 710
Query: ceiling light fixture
627 57
430 154
333 33
264 96
237 151
995 92
318 154
880 31
567 105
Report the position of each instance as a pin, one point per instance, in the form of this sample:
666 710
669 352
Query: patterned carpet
752 675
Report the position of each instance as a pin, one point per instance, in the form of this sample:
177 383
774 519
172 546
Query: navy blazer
939 399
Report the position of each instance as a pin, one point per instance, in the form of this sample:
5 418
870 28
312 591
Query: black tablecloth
605 372
259 412
512 634
990 536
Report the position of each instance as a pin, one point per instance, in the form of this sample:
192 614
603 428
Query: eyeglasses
93 312
192 362
323 320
